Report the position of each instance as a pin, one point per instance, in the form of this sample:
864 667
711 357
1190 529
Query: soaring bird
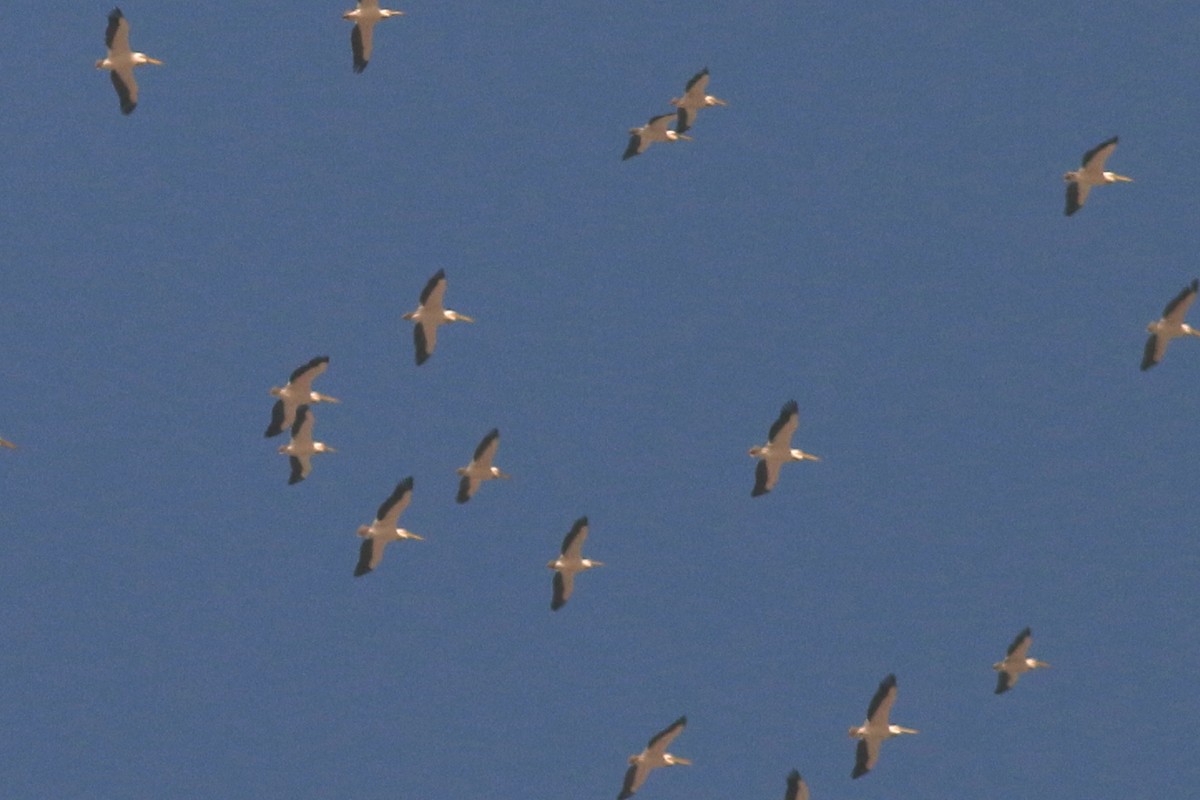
302 447
364 16
121 60
797 789
1090 174
297 392
570 561
778 450
480 469
1015 662
430 314
8 444
383 529
694 99
1170 326
654 756
653 131
872 732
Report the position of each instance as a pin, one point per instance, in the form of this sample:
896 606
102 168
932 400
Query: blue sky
872 227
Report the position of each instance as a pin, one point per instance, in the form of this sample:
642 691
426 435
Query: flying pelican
653 131
872 732
297 392
1015 662
120 60
8 444
430 314
302 447
797 789
654 756
1170 326
569 562
383 529
778 450
480 469
694 99
1090 174
364 16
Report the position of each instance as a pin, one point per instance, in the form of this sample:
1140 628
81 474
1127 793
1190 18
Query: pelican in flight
694 99
383 529
653 131
797 789
302 447
364 16
480 469
297 392
430 314
654 756
1170 326
778 450
569 562
1015 662
8 444
1090 174
120 61
871 733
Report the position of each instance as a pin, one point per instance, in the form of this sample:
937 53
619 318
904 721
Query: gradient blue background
872 227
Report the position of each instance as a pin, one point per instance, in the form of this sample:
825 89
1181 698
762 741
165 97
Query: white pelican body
301 448
1015 662
121 60
569 562
364 16
653 131
298 392
694 99
797 789
872 732
654 756
430 314
778 450
384 529
1171 326
1090 174
480 469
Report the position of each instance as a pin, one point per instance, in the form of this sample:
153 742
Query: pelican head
676 760
403 534
896 730
673 136
498 473
800 455
454 316
709 100
1112 176
322 398
1035 664
321 447
142 58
